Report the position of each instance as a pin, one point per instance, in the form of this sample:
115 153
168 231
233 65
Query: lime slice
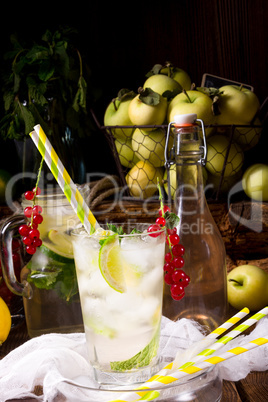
111 264
58 246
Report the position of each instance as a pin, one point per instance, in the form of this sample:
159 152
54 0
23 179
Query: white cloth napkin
51 360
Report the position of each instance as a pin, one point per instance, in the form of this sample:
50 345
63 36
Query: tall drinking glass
120 279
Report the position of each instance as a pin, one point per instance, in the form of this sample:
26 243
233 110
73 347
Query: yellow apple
237 105
191 102
150 145
142 179
143 112
217 147
162 83
179 75
125 152
255 182
248 137
116 114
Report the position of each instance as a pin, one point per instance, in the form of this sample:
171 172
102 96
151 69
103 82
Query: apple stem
241 87
185 93
114 103
233 280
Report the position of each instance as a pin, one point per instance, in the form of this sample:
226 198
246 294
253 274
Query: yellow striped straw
227 338
170 369
157 383
63 178
197 347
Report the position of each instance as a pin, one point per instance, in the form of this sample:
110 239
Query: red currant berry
172 231
178 276
178 250
37 219
30 249
24 230
153 228
169 267
37 242
33 225
178 262
178 297
28 212
176 289
34 234
160 221
168 279
37 210
168 257
174 239
29 195
185 280
37 190
165 209
27 240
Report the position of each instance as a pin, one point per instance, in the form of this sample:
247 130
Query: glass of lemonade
120 279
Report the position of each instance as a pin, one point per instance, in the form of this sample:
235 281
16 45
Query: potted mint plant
47 83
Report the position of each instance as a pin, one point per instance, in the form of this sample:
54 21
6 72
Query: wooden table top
252 388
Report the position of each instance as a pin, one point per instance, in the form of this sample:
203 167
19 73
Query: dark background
121 41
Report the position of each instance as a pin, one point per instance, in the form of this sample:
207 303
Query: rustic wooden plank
254 387
229 392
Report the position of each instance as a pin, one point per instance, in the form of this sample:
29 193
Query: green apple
147 108
237 105
162 83
125 152
255 182
192 102
217 148
247 286
190 177
142 179
179 75
248 137
150 145
116 114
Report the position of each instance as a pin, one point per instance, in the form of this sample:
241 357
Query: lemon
58 246
5 321
110 264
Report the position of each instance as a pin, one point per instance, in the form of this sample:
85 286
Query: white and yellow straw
170 374
63 178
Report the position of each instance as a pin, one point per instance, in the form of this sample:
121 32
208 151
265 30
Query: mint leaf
57 276
172 220
141 359
119 230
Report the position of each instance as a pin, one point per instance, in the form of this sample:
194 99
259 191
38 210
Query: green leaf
46 70
155 70
141 359
28 119
149 97
37 53
81 94
172 220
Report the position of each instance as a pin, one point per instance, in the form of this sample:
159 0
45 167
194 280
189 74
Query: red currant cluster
174 262
30 234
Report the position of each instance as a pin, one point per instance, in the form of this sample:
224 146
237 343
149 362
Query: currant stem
36 186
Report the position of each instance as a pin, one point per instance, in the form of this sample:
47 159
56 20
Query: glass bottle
205 297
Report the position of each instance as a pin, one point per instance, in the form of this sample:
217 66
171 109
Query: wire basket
139 155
